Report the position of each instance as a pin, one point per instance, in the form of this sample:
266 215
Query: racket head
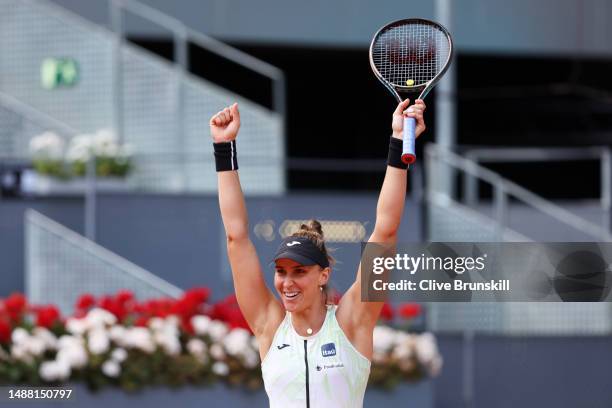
410 55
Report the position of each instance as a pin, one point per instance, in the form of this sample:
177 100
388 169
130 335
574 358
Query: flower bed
51 157
119 341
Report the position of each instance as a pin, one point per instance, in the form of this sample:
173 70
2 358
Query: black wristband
226 158
394 159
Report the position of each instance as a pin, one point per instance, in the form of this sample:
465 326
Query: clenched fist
224 124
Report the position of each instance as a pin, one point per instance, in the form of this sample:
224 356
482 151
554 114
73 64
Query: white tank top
320 371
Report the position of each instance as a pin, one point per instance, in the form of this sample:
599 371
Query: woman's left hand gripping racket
410 56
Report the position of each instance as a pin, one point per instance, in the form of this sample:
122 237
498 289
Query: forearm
232 205
390 205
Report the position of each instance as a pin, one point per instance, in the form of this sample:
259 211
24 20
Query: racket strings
411 54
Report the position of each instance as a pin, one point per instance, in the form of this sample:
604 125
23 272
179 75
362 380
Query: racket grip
409 136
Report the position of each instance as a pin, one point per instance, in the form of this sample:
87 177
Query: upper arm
257 303
354 315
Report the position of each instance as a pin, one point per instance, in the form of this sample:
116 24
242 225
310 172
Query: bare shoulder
274 317
357 328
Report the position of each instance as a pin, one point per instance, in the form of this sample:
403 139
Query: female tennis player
313 354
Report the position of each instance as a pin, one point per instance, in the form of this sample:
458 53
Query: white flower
168 341
378 357
426 348
119 355
34 346
111 368
200 324
402 352
404 346
383 338
48 338
74 356
139 338
237 341
67 341
220 368
78 153
196 347
156 323
217 330
54 370
99 318
99 342
172 321
216 351
251 359
117 334
63 370
80 148
20 352
82 140
48 371
48 145
19 335
76 326
104 143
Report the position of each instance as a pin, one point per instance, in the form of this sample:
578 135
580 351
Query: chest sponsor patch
328 350
328 366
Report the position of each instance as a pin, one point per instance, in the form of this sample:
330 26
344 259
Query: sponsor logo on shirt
328 366
328 350
282 346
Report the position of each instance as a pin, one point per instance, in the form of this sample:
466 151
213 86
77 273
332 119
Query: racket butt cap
408 158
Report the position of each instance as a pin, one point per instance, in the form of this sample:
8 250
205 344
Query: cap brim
302 260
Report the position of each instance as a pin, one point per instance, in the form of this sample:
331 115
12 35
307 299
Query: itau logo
328 350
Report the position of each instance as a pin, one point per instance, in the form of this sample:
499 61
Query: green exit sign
59 72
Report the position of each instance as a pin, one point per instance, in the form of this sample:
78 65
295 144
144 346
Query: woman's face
299 285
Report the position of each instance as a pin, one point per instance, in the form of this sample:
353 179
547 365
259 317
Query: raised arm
256 301
393 192
355 314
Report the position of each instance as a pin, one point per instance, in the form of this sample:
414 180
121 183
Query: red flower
229 312
142 321
5 331
124 296
15 306
46 316
110 304
387 312
85 301
410 310
197 295
187 326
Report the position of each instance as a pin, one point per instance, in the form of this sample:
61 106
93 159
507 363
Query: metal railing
504 190
182 35
61 265
539 154
154 105
450 220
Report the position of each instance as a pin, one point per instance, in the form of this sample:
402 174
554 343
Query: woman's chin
290 306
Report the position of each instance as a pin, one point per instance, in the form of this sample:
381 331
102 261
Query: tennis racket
410 56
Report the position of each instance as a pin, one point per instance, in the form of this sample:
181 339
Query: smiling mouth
291 295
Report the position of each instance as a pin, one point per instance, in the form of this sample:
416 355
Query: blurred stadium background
518 148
